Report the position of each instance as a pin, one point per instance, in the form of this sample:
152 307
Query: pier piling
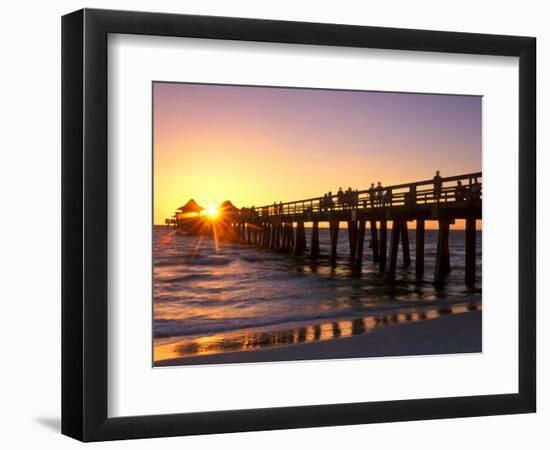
352 236
419 262
360 243
300 242
374 241
470 251
405 244
394 246
334 231
383 244
284 236
314 252
442 258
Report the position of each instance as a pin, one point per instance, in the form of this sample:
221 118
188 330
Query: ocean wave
205 326
186 277
192 260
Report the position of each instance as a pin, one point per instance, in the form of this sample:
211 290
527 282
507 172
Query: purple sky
255 145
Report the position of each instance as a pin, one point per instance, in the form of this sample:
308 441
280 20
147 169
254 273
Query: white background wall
30 222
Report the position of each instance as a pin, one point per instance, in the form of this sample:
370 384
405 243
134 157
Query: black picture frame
84 224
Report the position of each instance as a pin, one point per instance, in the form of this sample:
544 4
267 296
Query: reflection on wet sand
253 340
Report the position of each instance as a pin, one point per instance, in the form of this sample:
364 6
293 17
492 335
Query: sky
256 145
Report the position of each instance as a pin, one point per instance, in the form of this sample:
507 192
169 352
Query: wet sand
456 333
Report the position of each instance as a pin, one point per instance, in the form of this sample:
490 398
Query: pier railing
462 189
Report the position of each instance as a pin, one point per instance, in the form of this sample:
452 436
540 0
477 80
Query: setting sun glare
211 212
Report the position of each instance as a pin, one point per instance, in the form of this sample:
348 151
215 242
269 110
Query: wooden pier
281 226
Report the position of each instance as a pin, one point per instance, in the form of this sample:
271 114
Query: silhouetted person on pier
371 195
437 186
460 192
387 197
348 197
476 190
281 208
379 194
330 203
340 195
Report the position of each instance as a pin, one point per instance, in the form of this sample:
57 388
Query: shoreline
377 310
448 334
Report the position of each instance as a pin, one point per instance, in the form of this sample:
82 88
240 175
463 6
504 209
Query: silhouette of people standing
340 195
379 193
388 197
371 195
476 190
459 192
348 197
437 186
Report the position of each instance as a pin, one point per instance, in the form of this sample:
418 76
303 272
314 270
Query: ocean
222 292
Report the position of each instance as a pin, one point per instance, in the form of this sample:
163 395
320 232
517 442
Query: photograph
312 224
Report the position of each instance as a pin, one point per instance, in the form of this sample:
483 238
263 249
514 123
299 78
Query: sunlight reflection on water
255 339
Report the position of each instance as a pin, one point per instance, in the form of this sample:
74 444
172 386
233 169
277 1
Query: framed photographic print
273 224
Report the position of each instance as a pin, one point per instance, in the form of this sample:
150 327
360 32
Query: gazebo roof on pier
190 206
228 207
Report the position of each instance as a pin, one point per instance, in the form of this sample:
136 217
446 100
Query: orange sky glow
258 145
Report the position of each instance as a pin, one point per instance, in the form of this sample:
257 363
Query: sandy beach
456 333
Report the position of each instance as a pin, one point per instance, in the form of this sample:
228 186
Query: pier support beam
470 251
383 244
334 231
269 230
314 252
405 244
284 236
274 237
394 245
420 232
288 236
352 236
300 242
374 240
359 244
271 243
442 257
265 234
241 232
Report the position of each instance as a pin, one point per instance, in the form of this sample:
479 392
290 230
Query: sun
211 212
